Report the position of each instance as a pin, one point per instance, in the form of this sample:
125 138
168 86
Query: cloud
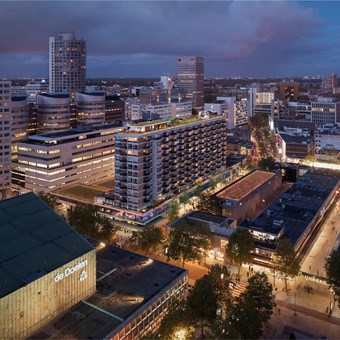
122 36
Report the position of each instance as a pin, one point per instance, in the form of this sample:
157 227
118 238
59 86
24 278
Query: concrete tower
190 80
67 64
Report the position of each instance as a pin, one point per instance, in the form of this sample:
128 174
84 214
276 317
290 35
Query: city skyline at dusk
143 39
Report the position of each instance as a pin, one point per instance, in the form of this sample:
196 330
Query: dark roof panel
34 241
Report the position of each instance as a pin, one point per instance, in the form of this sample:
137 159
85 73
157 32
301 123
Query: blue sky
144 38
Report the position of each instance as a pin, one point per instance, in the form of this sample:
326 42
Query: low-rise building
295 214
243 197
46 267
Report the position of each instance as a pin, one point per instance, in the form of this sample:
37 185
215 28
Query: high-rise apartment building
155 160
190 80
289 90
5 137
67 64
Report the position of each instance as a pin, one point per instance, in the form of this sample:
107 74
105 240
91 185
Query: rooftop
72 134
34 241
126 281
296 208
245 186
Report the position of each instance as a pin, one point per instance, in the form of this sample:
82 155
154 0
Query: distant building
35 87
5 136
237 111
114 109
52 161
289 90
325 111
90 108
67 64
264 97
295 146
219 107
19 122
53 112
190 80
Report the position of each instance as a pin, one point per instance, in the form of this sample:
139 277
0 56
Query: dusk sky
144 38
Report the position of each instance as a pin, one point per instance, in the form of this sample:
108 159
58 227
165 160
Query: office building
219 107
155 160
181 109
35 87
53 112
19 122
190 80
5 136
90 108
67 64
325 111
46 267
114 109
52 161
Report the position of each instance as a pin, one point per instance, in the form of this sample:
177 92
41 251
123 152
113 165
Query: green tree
202 303
244 318
332 267
261 291
253 308
185 199
207 204
222 329
188 242
267 164
146 240
86 220
285 261
240 246
219 277
173 211
48 199
212 184
177 323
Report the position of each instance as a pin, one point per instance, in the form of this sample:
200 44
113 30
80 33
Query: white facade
35 87
52 161
220 109
237 111
325 111
67 64
181 109
90 108
5 136
53 112
264 97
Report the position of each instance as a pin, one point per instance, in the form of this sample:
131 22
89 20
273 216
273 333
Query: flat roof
34 241
126 281
296 208
207 217
245 186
